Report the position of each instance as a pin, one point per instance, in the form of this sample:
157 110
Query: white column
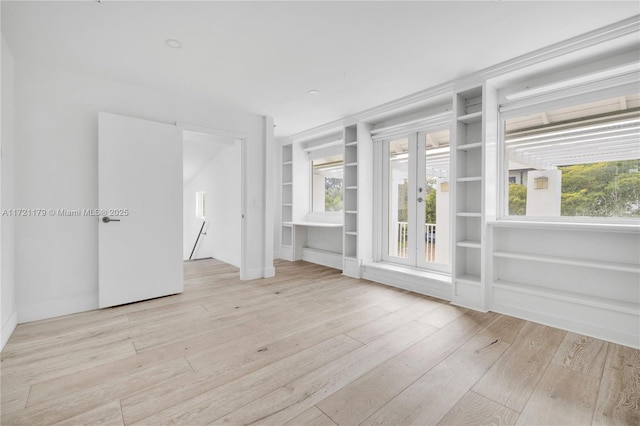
442 221
544 201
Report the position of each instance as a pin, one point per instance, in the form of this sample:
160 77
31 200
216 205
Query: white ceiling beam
530 161
623 103
432 141
545 118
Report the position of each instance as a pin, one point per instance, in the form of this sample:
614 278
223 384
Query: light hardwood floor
309 347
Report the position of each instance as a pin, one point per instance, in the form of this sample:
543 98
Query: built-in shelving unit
287 202
469 189
306 235
350 200
358 159
548 273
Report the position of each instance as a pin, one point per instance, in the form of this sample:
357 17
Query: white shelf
473 117
351 212
469 179
468 214
469 244
469 146
314 224
351 233
468 279
287 183
354 164
583 299
287 225
287 205
585 263
286 163
354 143
351 187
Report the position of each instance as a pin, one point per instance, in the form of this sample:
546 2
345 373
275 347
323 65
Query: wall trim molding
7 329
522 310
56 308
593 38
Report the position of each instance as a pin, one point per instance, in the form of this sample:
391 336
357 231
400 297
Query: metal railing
429 240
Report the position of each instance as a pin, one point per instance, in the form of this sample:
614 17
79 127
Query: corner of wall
8 310
7 329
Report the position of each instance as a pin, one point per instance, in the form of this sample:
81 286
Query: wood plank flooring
309 347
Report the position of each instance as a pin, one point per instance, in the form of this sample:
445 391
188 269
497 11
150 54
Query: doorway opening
212 196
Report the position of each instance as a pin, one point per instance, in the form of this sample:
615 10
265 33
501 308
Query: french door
415 200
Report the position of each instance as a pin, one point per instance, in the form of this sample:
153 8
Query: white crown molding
593 38
611 32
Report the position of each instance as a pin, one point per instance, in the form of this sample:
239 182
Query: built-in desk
316 242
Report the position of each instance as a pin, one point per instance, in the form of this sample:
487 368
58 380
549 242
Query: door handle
420 199
107 219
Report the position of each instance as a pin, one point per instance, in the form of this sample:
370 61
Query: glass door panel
416 200
398 196
433 200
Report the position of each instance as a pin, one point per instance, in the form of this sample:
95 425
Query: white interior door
140 201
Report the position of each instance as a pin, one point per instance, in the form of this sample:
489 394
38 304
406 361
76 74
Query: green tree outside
333 194
604 189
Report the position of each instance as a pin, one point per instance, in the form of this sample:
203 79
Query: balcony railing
429 240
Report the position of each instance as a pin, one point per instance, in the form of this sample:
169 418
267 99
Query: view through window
581 161
327 184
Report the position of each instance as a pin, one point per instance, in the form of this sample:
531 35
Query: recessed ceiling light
314 92
173 43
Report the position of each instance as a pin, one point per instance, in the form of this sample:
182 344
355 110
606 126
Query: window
416 200
327 184
200 197
577 161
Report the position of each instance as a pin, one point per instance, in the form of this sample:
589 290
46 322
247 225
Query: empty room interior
320 212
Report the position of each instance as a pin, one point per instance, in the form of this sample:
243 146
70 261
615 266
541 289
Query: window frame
509 110
311 170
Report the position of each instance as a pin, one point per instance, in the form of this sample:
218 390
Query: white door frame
242 138
416 213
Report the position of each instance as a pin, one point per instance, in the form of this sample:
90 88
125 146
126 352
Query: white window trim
573 96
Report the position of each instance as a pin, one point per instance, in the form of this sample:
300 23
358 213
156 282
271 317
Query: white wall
8 312
56 167
220 179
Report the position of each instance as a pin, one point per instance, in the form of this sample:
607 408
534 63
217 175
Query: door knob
420 199
107 219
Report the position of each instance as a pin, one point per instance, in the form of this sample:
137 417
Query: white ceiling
198 150
263 57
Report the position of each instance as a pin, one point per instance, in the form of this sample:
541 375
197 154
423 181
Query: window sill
576 226
432 275
429 283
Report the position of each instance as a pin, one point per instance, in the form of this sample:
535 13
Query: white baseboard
256 273
7 329
56 308
601 323
322 257
286 253
269 272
